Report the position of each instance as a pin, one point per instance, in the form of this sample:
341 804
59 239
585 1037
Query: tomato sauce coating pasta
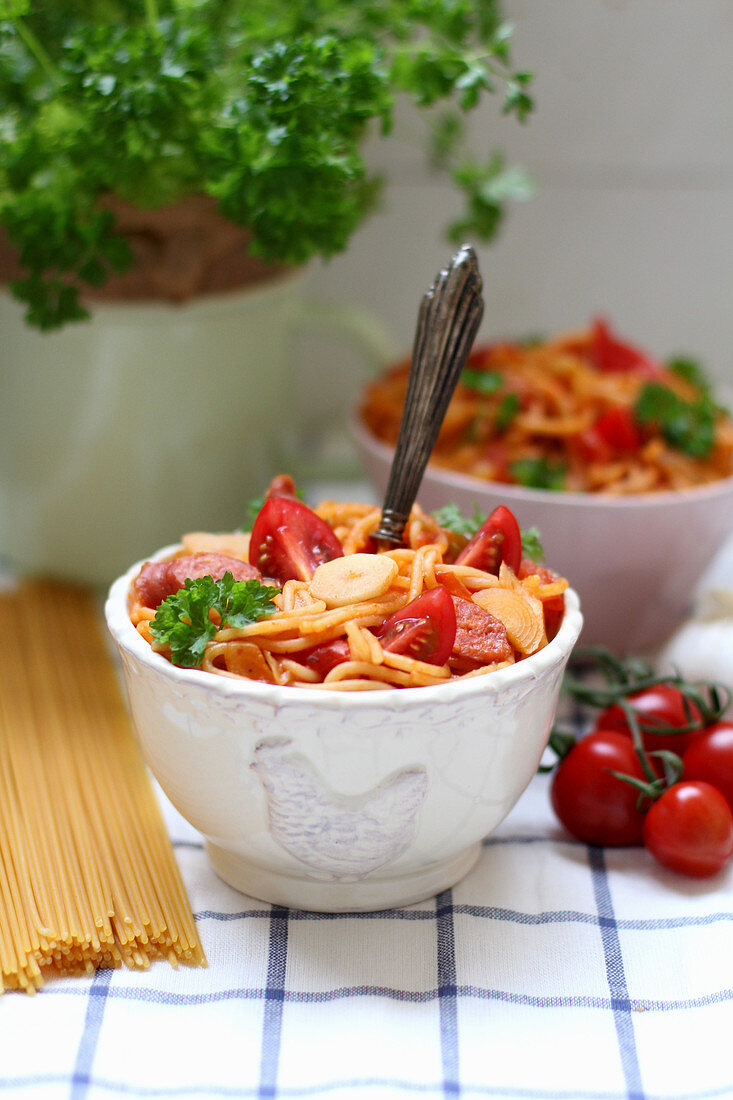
349 616
581 412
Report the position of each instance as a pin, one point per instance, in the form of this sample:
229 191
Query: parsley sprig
485 382
689 426
538 473
264 106
183 620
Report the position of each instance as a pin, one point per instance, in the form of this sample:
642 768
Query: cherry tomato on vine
710 757
663 705
425 629
289 541
497 540
593 804
690 829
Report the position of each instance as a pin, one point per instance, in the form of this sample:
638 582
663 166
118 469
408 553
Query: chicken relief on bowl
307 598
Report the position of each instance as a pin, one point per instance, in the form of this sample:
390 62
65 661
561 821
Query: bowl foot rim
368 895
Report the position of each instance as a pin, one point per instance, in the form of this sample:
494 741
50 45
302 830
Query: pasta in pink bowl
623 461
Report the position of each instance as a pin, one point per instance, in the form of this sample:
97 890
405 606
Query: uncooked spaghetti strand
120 819
28 765
57 713
54 763
154 832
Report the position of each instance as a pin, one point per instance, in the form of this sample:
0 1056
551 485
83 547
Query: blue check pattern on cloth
553 970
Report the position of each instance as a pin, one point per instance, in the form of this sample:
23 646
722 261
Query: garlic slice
353 579
234 544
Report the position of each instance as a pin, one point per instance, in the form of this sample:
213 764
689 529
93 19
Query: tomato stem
631 675
561 742
635 730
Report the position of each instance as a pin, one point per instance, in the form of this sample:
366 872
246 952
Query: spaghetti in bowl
339 799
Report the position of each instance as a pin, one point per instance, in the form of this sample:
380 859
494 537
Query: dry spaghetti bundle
580 412
87 874
328 631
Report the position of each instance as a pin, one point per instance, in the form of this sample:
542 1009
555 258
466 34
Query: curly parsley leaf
538 473
451 517
253 509
183 620
531 545
689 426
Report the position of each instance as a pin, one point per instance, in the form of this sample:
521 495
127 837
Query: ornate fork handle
447 323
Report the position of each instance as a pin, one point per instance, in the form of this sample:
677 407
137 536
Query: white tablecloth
552 970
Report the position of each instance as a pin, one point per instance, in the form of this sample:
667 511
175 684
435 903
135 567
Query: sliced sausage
481 638
158 579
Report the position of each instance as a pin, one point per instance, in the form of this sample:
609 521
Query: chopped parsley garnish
690 370
183 620
538 473
531 546
451 517
254 506
687 425
508 409
485 382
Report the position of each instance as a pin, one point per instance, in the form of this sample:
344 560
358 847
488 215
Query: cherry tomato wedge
593 804
425 629
325 656
608 353
289 541
690 829
662 705
497 540
590 446
618 428
710 757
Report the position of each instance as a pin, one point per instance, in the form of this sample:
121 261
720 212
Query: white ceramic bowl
340 801
634 561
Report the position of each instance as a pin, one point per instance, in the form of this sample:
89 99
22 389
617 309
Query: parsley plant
264 105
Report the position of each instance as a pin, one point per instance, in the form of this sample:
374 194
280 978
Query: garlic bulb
702 649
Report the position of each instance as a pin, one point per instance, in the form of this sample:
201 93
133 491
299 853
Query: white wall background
631 148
